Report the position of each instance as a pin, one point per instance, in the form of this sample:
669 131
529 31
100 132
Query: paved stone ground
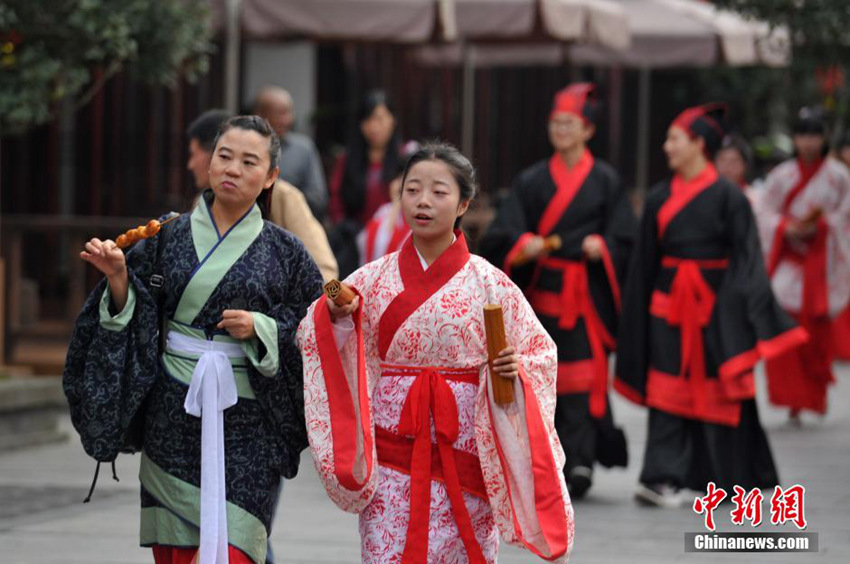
42 520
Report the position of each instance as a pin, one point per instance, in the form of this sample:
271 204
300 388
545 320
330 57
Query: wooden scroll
550 243
494 326
341 294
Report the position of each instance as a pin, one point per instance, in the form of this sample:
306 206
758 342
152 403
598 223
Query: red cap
576 99
707 121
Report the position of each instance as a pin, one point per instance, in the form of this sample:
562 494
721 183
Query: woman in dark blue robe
218 411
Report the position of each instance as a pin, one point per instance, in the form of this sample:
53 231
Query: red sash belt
430 395
574 302
689 305
396 451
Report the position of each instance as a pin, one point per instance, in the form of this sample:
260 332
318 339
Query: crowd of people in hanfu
210 348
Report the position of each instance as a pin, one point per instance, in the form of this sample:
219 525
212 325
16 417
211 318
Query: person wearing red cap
804 220
698 313
574 288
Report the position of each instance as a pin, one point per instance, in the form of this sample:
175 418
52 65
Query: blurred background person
300 164
360 182
386 231
575 288
734 162
804 217
698 314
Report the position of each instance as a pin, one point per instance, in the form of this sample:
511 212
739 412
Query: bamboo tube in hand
341 294
550 243
494 326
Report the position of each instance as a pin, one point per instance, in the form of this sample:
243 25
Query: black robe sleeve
512 222
747 314
108 373
621 226
633 342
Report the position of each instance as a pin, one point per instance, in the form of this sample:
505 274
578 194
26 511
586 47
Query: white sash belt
213 389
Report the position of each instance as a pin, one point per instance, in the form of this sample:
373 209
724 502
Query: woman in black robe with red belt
698 313
575 288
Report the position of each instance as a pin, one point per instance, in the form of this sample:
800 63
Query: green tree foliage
768 99
52 50
819 29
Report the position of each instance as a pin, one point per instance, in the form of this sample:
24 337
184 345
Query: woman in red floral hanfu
399 406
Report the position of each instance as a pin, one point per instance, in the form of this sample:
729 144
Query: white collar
421 259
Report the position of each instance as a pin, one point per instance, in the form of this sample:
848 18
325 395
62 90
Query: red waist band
396 451
465 375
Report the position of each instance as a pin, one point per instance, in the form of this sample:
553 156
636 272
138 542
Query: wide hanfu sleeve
521 456
750 322
337 398
510 232
112 360
633 341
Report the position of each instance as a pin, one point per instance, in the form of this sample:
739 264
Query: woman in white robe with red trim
400 411
804 223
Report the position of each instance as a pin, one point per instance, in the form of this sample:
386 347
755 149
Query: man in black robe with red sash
563 234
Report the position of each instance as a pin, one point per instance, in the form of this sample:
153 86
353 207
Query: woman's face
239 169
567 131
731 165
809 145
430 200
680 148
378 128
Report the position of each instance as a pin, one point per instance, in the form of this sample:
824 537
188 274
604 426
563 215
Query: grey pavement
42 519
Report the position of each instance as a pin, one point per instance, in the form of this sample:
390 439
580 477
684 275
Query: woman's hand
239 323
592 247
534 248
801 230
507 363
338 312
109 259
106 257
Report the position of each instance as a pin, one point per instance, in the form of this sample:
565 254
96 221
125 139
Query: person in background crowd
285 205
734 162
300 164
575 289
386 231
362 175
804 222
698 314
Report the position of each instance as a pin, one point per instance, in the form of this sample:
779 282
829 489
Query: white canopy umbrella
600 22
399 21
662 33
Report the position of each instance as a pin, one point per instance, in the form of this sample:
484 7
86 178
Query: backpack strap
157 279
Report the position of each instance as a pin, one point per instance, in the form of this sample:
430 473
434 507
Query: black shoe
579 481
659 495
